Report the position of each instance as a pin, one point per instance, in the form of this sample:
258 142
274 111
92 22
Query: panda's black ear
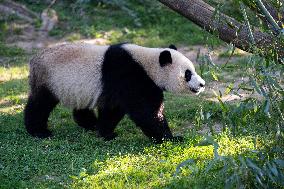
173 47
165 58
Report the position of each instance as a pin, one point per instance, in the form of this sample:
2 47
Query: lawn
74 158
236 144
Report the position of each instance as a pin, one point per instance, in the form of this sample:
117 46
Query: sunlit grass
15 72
13 86
74 158
155 166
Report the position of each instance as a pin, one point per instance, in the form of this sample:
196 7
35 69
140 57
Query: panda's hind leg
85 118
40 103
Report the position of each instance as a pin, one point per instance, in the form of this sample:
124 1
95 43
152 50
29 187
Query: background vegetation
232 144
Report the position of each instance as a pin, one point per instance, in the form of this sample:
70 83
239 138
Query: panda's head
178 72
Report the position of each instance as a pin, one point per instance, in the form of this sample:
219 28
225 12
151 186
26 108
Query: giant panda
117 80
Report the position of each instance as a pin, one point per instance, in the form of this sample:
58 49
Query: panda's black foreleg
40 103
153 124
85 118
108 118
154 128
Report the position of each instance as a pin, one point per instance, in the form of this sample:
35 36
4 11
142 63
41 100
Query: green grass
74 158
146 23
10 51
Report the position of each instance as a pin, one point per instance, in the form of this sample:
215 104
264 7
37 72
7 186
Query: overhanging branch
227 28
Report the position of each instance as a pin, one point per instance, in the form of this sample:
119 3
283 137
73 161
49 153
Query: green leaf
224 107
182 164
214 75
256 86
267 106
273 169
280 163
229 88
246 88
252 165
210 141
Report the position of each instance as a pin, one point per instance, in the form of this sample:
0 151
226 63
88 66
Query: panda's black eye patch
188 75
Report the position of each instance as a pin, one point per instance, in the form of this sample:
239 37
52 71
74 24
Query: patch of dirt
220 87
197 51
29 37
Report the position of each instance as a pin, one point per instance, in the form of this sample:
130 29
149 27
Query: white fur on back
74 74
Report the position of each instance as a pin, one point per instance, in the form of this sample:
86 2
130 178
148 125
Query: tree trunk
227 28
11 7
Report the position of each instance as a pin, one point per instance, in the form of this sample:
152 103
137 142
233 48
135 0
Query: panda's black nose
201 85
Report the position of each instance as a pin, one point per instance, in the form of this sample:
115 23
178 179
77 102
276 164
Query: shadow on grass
32 162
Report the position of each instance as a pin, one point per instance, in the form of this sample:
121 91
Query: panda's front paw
110 136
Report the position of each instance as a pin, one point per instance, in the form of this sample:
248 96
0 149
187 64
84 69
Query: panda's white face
181 75
195 82
168 68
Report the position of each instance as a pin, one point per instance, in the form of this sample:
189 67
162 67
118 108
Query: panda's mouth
197 91
194 90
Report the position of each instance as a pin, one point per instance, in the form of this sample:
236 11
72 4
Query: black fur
40 103
173 47
187 75
128 89
109 117
165 58
85 118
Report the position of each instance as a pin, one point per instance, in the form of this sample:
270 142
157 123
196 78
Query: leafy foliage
261 112
241 172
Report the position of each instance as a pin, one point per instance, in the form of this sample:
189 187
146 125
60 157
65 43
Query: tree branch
228 29
277 16
11 7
